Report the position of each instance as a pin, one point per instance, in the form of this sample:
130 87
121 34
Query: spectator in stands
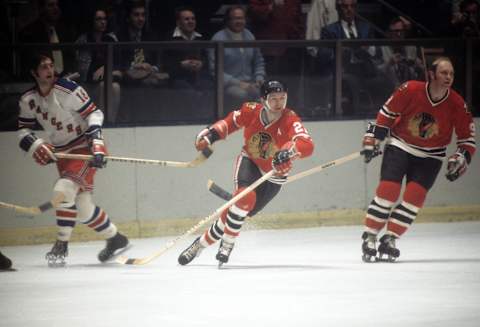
91 61
186 67
465 23
321 14
244 68
49 28
360 73
138 65
400 63
277 20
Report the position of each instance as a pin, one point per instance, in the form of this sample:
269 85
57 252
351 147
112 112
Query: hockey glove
371 141
456 165
43 154
282 160
97 147
205 138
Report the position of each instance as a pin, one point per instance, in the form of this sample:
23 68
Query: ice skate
5 263
224 252
369 250
191 252
56 256
387 247
115 245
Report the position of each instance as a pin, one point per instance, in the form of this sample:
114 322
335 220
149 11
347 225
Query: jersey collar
432 102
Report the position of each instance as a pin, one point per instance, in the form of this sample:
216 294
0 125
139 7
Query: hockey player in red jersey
72 123
417 123
274 136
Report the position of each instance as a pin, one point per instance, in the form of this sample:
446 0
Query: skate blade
54 264
118 253
388 259
368 258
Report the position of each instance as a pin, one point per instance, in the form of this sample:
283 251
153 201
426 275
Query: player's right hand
282 162
203 139
43 154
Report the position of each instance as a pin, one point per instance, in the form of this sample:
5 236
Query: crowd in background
193 68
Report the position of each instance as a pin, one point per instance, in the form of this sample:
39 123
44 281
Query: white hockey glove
371 141
457 165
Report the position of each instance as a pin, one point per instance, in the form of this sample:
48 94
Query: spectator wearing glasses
400 63
465 23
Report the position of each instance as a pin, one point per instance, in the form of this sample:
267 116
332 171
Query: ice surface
303 277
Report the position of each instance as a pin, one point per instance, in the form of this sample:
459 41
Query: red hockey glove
97 147
456 166
43 154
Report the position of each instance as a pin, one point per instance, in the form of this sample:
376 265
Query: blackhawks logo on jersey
423 125
260 145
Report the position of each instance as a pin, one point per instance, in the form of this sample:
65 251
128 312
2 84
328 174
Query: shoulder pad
67 84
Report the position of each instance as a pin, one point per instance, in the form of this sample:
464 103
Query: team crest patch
261 145
423 125
251 105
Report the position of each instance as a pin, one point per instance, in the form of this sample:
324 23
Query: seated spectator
277 20
49 28
186 67
137 65
91 61
244 68
465 23
360 74
321 14
400 63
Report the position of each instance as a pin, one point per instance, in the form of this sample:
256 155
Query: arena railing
311 79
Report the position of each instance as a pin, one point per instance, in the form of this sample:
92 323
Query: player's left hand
456 166
97 147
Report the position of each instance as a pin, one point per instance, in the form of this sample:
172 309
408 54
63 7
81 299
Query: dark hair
93 13
178 10
134 4
226 16
36 58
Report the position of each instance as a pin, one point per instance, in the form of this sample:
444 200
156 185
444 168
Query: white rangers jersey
65 113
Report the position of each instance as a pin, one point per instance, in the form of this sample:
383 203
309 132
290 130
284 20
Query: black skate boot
58 253
369 249
224 252
191 252
5 263
115 245
387 247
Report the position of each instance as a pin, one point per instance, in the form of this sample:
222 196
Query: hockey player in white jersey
73 124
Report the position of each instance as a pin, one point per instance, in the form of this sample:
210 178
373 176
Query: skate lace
59 248
193 250
226 248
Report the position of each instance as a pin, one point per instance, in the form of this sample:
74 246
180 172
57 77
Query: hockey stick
204 154
33 211
215 214
222 193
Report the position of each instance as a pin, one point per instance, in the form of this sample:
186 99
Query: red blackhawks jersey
424 128
263 139
64 113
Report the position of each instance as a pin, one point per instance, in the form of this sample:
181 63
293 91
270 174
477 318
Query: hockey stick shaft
165 163
220 192
33 211
214 215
